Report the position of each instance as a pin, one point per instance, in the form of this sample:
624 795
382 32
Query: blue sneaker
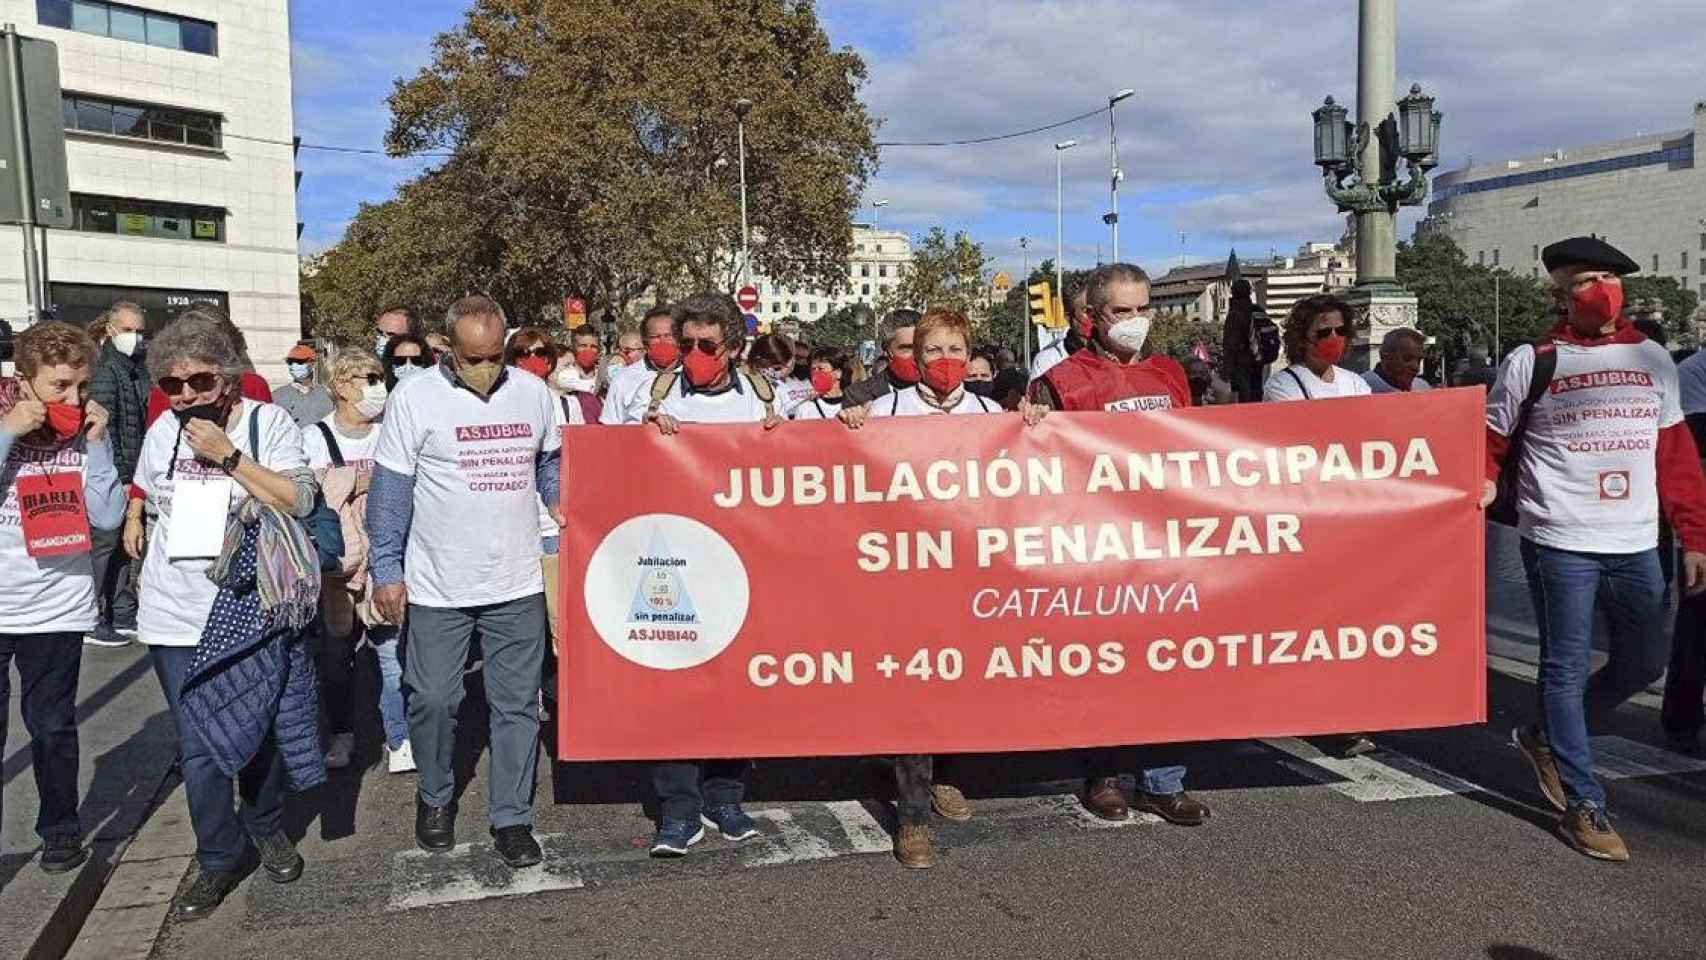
675 836
732 821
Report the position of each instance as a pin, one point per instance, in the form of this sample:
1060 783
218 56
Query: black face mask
981 388
214 412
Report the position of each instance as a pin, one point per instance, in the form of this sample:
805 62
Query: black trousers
914 775
686 787
115 577
48 667
1685 682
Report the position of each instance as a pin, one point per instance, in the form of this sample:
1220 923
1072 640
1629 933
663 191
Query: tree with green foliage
1679 304
578 169
1458 300
945 272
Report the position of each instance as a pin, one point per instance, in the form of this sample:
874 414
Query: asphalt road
1438 846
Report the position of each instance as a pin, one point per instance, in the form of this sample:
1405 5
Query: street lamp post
1059 242
1369 152
1116 174
876 205
1025 282
743 106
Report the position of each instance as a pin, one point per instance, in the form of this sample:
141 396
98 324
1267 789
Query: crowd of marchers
258 540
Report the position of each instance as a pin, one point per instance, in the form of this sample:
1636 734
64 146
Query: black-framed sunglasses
421 360
199 382
542 352
1342 330
705 345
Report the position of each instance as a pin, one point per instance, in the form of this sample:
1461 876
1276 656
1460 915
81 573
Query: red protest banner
966 584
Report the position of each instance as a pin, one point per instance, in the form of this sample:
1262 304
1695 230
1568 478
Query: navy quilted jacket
252 678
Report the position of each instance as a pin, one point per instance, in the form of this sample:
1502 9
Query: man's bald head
476 326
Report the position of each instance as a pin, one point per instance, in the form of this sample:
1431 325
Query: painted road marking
791 843
1524 670
473 871
1617 758
1367 780
863 831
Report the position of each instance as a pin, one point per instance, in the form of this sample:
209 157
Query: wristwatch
230 463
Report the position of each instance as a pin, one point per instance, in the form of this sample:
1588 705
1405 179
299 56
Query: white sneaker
402 759
337 755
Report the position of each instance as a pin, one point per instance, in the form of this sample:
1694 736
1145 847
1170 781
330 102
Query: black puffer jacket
120 384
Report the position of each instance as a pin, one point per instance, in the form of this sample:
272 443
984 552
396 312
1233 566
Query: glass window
89 17
54 13
94 214
864 269
141 218
168 224
164 31
68 113
200 37
166 126
94 116
129 121
129 24
1655 263
882 270
1536 255
864 289
1480 258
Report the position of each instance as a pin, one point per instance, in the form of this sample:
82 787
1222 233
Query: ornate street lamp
1418 125
1413 135
1332 136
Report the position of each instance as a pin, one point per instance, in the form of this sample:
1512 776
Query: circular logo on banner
666 592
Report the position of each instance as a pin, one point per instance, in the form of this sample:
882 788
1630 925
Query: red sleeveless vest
1089 381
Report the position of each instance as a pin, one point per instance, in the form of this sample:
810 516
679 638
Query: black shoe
62 853
205 894
435 828
279 858
516 845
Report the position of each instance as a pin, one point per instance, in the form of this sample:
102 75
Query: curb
125 921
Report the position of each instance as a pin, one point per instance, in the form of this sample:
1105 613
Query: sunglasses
704 345
1338 331
543 353
371 379
199 382
417 361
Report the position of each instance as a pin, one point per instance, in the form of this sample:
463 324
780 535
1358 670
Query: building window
1495 257
864 269
1703 243
122 22
864 289
122 118
1536 252
1655 263
879 248
147 218
1685 259
860 248
883 270
1480 258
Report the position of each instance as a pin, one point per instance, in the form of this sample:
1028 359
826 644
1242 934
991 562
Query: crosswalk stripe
791 843
471 871
1367 780
862 830
1618 758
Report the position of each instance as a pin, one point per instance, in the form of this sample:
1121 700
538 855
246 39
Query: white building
1317 268
183 181
1645 195
880 258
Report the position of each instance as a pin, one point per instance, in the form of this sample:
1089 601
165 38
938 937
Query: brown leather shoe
912 847
1180 808
949 802
1102 797
1539 754
1585 827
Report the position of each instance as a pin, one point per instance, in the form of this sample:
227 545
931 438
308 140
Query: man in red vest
1112 374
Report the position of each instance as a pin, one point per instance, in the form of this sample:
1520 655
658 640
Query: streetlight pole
1497 353
876 205
1025 281
1059 241
1116 174
743 106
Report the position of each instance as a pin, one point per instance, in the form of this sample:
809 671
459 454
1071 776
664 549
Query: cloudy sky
1216 143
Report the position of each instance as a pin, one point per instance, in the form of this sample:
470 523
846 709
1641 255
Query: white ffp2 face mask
126 342
372 402
1130 334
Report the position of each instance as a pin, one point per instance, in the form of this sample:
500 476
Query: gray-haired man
1400 366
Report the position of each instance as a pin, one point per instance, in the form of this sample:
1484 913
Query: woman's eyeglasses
1338 331
199 382
704 345
371 379
420 360
542 352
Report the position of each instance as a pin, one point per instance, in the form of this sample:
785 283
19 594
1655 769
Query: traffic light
1042 304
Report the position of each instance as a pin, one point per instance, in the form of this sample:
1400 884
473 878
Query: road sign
751 319
574 312
747 298
33 84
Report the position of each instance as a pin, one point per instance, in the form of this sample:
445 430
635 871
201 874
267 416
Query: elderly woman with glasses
1317 333
214 453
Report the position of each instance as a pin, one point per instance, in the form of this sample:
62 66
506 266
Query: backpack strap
254 433
762 390
661 386
1300 385
331 444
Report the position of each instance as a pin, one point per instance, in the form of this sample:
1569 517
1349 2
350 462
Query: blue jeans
218 828
387 646
1565 587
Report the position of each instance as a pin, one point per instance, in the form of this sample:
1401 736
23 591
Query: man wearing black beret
1591 416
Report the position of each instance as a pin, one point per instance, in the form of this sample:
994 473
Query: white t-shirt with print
737 404
42 594
357 451
791 393
1589 473
175 595
474 535
907 403
568 415
818 408
1282 386
629 394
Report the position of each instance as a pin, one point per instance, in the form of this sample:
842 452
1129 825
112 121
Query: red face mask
1331 350
1600 302
703 369
586 357
904 369
64 419
945 374
823 381
663 353
538 366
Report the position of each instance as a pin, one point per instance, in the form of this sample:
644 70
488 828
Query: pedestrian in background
406 355
120 386
582 374
1317 332
1400 366
1683 714
630 391
303 396
52 436
895 336
831 373
457 552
